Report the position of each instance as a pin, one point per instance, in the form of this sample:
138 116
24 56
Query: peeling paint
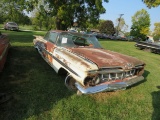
92 69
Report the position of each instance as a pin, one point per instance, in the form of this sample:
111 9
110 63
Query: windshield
12 23
78 40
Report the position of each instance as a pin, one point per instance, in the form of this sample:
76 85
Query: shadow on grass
146 73
22 36
34 85
156 104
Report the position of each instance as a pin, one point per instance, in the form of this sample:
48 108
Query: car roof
75 33
12 22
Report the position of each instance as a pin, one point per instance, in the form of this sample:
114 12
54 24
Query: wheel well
36 49
62 71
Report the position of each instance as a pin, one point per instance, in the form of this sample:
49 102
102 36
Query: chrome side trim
4 52
109 87
60 62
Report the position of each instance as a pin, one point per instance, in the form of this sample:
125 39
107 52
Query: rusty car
153 47
89 68
4 48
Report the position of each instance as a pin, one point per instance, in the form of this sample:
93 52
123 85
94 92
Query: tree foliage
67 12
156 32
41 20
140 24
11 11
152 3
107 27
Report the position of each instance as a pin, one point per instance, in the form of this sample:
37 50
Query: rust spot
106 58
75 58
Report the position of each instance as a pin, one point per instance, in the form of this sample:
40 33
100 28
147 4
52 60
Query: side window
46 37
53 37
65 40
81 41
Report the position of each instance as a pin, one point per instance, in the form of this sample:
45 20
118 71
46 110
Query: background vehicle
11 26
153 47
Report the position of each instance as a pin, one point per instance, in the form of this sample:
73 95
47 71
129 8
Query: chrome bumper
109 87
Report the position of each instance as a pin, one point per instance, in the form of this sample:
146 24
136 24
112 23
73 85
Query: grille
117 76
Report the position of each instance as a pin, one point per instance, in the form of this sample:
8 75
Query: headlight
96 80
92 81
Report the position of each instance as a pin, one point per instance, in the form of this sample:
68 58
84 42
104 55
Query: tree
121 25
140 24
11 11
41 20
67 12
156 32
41 17
107 27
152 3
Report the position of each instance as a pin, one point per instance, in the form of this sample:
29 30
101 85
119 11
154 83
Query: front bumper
109 87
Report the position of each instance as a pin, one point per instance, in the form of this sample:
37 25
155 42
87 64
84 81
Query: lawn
38 93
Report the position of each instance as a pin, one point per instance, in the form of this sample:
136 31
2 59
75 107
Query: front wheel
70 83
79 92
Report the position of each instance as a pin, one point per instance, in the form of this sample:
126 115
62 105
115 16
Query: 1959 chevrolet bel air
89 67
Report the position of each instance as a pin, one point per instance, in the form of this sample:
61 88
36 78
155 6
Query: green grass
40 94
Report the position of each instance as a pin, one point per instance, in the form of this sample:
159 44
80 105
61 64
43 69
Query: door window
53 37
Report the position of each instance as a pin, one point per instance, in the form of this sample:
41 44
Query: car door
50 45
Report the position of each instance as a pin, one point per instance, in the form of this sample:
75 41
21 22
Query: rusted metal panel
4 47
73 58
106 58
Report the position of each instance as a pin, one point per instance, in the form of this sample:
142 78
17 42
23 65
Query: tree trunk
58 22
59 25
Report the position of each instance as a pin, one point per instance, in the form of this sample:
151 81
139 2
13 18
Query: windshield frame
70 39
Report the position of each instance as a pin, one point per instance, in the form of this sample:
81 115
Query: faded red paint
50 47
4 47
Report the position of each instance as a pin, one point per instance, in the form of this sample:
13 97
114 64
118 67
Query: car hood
106 58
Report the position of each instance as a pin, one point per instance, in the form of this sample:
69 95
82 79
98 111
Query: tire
70 83
79 93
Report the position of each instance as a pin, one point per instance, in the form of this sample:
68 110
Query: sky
128 7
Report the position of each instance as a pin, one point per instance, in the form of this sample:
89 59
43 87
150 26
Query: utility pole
119 23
